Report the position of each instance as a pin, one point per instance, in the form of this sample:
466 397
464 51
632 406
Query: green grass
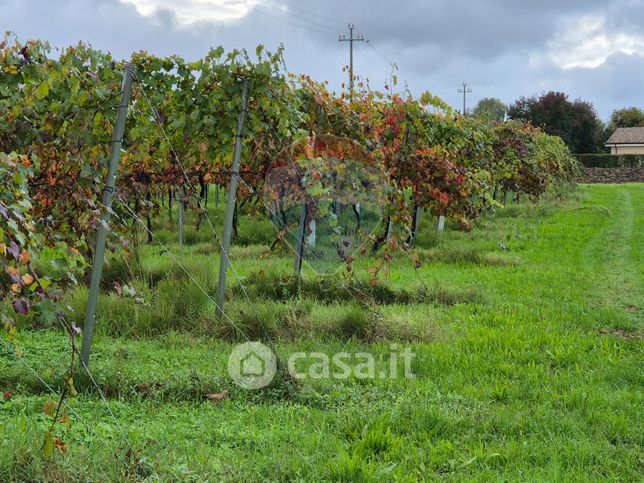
528 366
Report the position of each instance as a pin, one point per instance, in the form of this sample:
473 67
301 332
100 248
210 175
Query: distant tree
575 122
626 117
490 109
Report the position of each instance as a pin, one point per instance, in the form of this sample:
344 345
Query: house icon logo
252 365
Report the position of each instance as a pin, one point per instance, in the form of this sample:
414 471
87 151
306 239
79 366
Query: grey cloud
437 43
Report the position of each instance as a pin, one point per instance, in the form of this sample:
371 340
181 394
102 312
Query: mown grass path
618 246
537 378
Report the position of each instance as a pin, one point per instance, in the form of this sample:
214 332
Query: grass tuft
331 290
357 323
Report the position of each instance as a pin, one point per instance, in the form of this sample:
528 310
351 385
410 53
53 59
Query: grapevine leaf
49 445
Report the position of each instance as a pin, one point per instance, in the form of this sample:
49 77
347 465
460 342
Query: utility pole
351 40
465 90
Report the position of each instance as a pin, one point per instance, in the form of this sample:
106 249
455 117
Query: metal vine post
108 195
230 207
301 234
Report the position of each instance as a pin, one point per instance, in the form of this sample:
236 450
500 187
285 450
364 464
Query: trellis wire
67 406
193 191
305 245
100 392
133 214
192 187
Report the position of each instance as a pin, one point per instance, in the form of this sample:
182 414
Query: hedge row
611 161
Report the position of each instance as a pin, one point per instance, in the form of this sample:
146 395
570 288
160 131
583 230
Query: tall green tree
626 117
490 109
576 122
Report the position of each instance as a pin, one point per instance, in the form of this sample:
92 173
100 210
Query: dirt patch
621 333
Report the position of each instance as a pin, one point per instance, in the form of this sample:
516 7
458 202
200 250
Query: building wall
625 149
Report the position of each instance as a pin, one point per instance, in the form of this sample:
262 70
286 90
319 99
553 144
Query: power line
313 23
376 65
390 64
309 12
325 32
341 22
364 54
382 56
314 14
329 30
393 66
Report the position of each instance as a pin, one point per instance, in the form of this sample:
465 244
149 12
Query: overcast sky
590 49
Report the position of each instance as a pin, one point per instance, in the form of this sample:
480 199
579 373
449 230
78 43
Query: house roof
627 135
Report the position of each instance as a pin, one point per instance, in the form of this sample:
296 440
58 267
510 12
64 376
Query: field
528 361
